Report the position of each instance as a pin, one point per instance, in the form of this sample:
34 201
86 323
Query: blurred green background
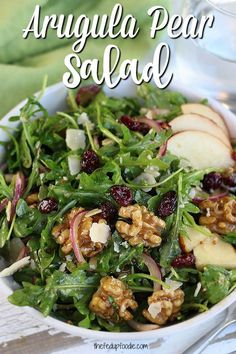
25 62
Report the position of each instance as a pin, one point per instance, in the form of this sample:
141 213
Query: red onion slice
74 235
162 150
157 125
211 197
19 189
140 327
154 270
154 124
3 204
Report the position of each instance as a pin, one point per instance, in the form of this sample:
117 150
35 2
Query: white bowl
178 336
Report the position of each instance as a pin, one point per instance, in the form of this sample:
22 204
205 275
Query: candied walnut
112 300
61 233
145 228
163 306
219 215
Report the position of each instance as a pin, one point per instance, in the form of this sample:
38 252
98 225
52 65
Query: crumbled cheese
116 247
62 267
208 212
198 288
173 284
75 139
118 269
125 244
100 232
145 178
154 309
15 267
152 170
74 164
83 119
69 258
65 178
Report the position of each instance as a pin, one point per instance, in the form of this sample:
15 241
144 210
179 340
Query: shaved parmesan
100 232
154 309
173 284
62 267
75 139
83 119
74 164
198 288
13 268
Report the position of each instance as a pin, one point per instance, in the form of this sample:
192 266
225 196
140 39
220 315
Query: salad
119 214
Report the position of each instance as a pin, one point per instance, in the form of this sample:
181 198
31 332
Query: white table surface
21 334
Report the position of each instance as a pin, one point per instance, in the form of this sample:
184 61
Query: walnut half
61 234
163 306
112 300
146 227
219 215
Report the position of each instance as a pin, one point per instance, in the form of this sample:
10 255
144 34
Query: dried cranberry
109 211
47 205
212 180
167 204
185 260
86 94
89 161
122 195
134 125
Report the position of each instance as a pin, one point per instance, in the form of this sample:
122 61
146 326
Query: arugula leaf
171 248
75 285
154 97
216 283
28 220
118 254
30 295
230 238
99 179
6 191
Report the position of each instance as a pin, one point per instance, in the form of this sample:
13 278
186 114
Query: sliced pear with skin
193 239
200 150
215 251
200 123
208 250
207 112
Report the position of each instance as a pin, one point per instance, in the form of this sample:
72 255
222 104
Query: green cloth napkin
25 62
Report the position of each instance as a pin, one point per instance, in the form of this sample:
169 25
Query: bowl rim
94 334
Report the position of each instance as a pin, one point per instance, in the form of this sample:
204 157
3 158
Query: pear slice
194 238
200 150
200 123
207 112
208 250
215 251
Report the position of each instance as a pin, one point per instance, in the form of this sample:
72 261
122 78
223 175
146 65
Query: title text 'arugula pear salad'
119 214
